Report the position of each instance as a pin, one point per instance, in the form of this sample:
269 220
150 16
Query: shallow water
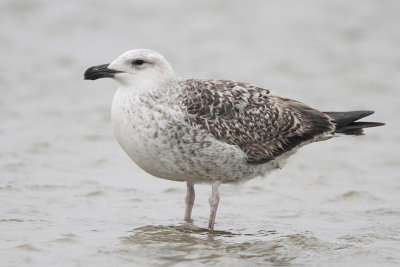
70 196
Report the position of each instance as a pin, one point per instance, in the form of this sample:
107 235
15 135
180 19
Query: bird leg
189 201
214 201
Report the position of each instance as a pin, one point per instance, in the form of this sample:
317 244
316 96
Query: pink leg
189 201
214 201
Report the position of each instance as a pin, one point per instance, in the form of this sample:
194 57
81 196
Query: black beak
101 71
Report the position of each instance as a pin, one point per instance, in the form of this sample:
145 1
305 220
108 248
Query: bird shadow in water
178 243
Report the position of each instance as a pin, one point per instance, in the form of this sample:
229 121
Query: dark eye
138 62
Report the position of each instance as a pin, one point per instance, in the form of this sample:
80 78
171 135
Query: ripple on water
383 212
355 196
65 238
173 190
28 247
95 193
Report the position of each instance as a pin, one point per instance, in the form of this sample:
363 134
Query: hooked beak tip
100 71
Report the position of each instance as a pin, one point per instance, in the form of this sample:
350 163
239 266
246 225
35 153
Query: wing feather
260 123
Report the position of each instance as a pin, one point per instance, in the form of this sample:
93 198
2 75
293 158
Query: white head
139 66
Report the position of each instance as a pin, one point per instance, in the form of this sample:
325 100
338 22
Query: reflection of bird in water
209 131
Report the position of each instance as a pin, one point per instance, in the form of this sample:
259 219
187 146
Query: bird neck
152 86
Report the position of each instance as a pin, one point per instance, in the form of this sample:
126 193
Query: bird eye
138 62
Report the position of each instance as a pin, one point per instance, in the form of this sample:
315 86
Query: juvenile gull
209 131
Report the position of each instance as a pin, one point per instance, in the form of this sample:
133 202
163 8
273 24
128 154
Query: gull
209 131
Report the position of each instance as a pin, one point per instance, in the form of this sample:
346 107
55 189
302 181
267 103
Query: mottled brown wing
261 124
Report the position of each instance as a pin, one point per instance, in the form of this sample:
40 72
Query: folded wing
260 123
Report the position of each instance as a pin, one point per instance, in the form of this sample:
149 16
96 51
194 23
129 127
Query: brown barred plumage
260 123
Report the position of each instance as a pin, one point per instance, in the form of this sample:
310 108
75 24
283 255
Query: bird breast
138 126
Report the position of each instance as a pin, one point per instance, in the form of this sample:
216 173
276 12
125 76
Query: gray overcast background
69 196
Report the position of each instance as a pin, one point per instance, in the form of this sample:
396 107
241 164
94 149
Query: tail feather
346 121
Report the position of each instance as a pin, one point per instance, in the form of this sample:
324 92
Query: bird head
133 67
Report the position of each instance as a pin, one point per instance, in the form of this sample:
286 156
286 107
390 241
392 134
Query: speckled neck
160 86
